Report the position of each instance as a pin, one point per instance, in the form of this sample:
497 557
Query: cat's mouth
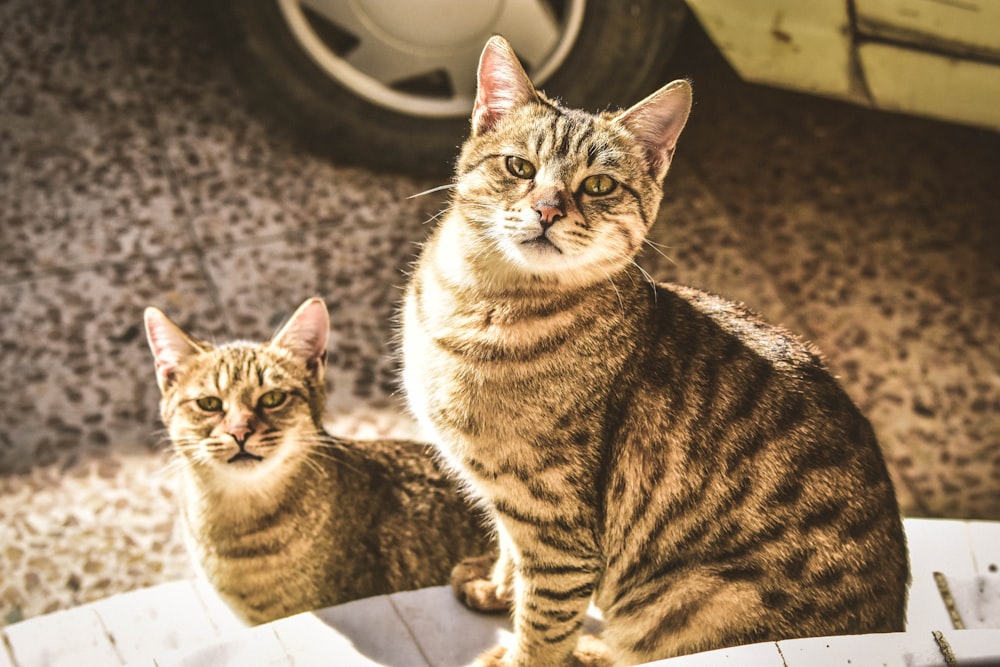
541 243
244 456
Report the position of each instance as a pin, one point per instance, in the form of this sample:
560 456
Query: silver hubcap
419 57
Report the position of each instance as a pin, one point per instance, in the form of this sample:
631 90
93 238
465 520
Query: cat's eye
273 398
209 403
520 167
599 185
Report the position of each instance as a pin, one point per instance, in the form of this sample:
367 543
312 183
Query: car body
934 58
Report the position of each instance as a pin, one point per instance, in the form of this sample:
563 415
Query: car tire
618 57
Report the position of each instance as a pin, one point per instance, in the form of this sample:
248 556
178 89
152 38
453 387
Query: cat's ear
503 85
169 344
657 121
305 334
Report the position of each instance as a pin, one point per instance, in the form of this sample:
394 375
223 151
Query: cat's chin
541 246
242 466
543 258
246 465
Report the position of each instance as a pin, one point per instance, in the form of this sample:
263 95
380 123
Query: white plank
985 539
977 601
257 646
146 622
974 647
226 622
897 649
5 658
310 641
375 631
754 655
72 637
449 634
936 545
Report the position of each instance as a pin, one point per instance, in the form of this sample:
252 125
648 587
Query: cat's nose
240 427
240 435
548 212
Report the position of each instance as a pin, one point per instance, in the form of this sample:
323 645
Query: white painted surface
935 546
448 634
932 85
800 45
757 655
184 625
911 649
146 621
68 638
972 23
375 631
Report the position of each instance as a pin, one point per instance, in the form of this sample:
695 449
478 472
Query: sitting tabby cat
280 516
696 472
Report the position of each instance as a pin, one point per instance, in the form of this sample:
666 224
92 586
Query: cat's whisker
329 454
172 466
621 303
435 217
656 248
313 465
648 278
439 188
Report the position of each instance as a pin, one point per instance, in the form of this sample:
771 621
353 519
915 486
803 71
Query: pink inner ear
165 370
168 344
503 85
656 123
306 333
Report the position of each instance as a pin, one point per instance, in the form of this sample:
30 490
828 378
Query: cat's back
410 472
720 374
702 347
761 480
412 519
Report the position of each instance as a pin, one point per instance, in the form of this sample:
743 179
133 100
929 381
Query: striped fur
663 452
313 520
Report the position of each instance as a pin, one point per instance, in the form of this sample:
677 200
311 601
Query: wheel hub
418 57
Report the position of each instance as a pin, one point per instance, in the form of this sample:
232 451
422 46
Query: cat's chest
477 374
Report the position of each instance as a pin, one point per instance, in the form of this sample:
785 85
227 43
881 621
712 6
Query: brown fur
695 471
302 520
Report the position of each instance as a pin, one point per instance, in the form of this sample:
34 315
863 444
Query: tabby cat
281 516
695 471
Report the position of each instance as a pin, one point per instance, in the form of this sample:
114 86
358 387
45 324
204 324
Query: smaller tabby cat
281 516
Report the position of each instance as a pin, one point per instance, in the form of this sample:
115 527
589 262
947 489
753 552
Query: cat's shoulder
706 310
390 457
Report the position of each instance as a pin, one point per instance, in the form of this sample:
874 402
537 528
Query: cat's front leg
551 598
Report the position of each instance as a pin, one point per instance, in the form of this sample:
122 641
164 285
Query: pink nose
548 212
239 426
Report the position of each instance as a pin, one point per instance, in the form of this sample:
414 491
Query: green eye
520 167
210 403
273 398
599 185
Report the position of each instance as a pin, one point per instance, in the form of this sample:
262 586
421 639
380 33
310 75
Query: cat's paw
591 652
471 582
495 657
